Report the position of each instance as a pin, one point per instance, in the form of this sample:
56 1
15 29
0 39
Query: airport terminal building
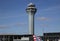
54 36
16 37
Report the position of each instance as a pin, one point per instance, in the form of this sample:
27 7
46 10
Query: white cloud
51 8
42 18
19 24
3 26
12 24
6 33
6 17
44 25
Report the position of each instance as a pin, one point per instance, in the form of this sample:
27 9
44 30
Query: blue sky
14 19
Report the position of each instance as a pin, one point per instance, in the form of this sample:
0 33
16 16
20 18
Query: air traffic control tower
31 10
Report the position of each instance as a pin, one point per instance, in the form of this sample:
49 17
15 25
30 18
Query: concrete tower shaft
31 10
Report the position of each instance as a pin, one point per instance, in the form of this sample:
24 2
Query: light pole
31 10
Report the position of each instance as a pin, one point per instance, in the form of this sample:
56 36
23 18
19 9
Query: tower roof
31 5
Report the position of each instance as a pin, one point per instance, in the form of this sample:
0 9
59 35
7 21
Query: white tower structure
31 10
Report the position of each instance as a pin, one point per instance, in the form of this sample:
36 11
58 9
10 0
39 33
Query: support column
13 37
17 37
8 38
3 38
